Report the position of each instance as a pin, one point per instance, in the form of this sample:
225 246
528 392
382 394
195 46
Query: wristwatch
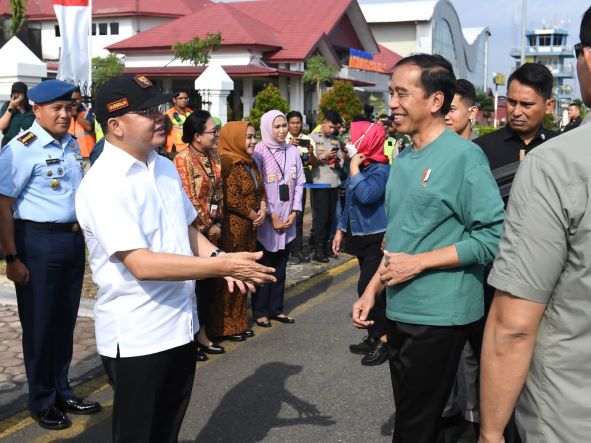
216 253
10 258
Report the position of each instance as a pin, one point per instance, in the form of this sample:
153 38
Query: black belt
47 226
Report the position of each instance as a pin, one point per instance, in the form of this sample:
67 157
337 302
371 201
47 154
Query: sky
503 18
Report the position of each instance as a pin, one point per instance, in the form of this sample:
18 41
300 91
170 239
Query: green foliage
485 103
549 122
197 51
104 69
266 100
19 15
341 98
483 130
379 106
318 71
579 102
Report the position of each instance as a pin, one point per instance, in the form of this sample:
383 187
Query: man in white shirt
145 255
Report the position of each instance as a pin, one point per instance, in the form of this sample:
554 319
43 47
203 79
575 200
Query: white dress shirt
121 205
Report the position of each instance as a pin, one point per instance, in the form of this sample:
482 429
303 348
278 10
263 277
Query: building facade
549 46
431 27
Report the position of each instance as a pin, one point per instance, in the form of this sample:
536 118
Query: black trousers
298 242
267 301
368 250
48 308
152 393
325 212
423 365
205 291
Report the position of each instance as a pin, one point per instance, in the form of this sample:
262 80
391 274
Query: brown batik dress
230 312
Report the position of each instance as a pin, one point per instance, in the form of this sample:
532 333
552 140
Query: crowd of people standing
423 215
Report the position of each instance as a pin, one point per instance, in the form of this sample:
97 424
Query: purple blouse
277 167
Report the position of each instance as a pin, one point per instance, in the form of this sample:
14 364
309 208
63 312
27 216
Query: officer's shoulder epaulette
27 138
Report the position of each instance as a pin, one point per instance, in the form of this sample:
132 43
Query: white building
432 27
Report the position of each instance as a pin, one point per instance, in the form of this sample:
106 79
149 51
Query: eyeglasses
149 112
579 49
215 131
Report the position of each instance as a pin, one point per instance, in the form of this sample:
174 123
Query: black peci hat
125 93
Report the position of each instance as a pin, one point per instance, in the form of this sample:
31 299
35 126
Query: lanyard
256 183
278 165
210 177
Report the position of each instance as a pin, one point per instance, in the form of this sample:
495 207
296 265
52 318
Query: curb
13 407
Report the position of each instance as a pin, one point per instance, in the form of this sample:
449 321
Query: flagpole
90 46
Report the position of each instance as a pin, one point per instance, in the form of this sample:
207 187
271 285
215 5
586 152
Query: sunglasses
214 131
579 49
149 112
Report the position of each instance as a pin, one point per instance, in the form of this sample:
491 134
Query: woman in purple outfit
282 172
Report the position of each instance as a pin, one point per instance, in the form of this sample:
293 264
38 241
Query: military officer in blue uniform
44 249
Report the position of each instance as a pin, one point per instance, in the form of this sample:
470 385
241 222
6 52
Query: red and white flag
74 17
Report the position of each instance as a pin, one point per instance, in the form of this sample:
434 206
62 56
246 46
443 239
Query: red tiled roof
233 71
387 57
43 9
289 30
237 29
300 23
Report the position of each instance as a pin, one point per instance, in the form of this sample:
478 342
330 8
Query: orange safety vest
175 136
86 140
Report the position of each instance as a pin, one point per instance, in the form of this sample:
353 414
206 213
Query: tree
198 51
341 98
19 15
266 100
318 71
104 69
485 103
579 102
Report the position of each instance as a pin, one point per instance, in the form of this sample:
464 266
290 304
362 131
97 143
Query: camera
304 143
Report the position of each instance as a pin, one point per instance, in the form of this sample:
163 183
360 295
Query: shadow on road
251 409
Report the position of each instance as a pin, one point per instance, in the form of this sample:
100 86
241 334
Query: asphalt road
289 383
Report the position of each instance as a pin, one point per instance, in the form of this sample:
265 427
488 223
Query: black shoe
283 319
248 333
320 257
377 356
76 405
300 257
365 347
52 418
263 324
212 349
201 356
235 337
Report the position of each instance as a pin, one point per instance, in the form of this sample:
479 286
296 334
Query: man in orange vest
174 123
82 124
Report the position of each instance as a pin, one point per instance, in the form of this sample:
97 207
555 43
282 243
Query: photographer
306 147
82 124
17 114
326 178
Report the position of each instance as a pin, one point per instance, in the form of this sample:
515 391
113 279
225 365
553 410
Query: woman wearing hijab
282 172
364 223
245 210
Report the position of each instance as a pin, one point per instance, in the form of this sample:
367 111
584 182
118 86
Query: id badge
213 212
284 193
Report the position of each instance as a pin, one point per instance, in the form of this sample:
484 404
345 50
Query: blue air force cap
51 90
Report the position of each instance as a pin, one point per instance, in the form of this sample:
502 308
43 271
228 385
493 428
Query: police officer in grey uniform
44 249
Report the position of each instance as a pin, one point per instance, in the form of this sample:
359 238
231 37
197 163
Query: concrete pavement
290 383
86 364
